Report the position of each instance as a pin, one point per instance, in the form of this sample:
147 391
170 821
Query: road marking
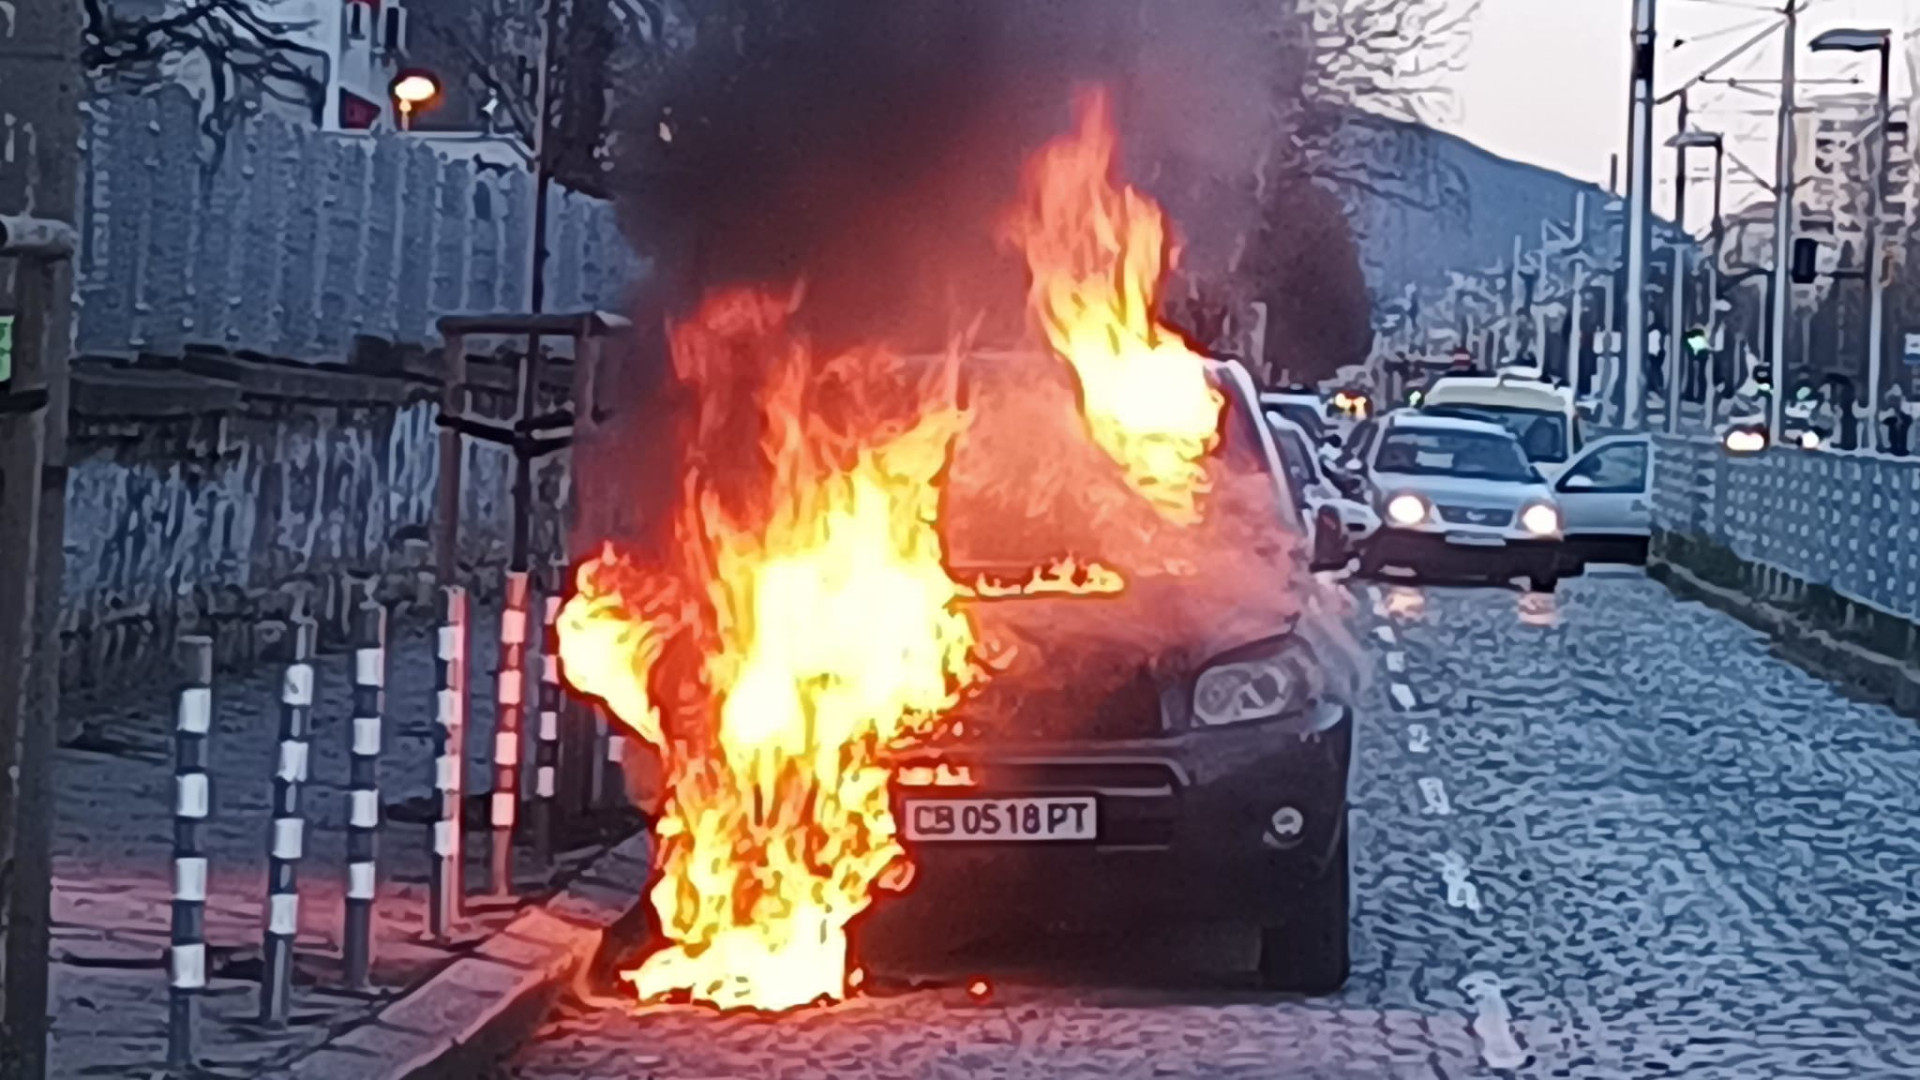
1417 738
1493 1022
1397 662
1461 891
1384 633
1403 695
1436 795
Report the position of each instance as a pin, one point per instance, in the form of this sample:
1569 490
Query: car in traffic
1457 499
1543 416
1472 523
1301 407
1335 522
1176 752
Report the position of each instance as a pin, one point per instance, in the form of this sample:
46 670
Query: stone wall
227 493
297 240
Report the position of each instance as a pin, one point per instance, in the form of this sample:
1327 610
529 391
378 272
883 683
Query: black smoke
871 149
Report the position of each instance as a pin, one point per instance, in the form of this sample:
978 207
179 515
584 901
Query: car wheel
1543 583
1307 954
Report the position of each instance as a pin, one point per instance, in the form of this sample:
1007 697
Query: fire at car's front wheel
1307 954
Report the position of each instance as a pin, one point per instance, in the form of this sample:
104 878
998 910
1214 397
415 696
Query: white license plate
1469 540
1053 817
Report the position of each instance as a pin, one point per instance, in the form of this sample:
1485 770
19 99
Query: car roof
1499 390
1419 421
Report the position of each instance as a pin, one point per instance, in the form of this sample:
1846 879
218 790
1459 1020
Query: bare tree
243 51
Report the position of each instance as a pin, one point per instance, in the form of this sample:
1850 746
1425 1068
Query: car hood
1462 491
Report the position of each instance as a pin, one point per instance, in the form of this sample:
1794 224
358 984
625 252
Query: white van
1542 415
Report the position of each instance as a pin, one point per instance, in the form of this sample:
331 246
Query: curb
482 1006
1887 680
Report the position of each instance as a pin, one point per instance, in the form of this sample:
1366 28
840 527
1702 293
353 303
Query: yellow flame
1097 256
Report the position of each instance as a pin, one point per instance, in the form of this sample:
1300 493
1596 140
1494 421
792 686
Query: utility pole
1639 189
1783 188
40 82
530 372
1876 258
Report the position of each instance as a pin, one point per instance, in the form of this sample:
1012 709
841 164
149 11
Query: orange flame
828 631
1065 575
1097 256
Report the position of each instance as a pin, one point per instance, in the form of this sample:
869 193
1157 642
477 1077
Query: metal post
1783 188
453 403
1876 259
447 882
546 747
506 729
1713 284
530 372
192 801
363 779
1639 192
289 828
1675 342
1576 321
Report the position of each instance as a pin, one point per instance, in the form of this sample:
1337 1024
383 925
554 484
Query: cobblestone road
1608 836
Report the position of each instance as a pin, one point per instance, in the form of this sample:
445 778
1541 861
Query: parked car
1301 407
1458 498
1335 522
1098 777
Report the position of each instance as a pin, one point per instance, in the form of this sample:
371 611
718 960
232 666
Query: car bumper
1433 553
1186 830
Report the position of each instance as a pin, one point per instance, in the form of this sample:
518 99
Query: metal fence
1847 521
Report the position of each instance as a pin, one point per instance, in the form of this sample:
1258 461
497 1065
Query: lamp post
1695 139
1783 188
1879 41
412 89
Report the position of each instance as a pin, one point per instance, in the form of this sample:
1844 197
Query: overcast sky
1546 80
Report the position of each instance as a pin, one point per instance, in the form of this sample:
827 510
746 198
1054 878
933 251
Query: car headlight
1745 441
1406 509
1809 440
1260 682
1540 519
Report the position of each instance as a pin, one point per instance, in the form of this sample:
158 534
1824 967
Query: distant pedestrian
1896 421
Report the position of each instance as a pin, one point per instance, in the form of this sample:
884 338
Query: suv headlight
1406 509
1540 519
1261 681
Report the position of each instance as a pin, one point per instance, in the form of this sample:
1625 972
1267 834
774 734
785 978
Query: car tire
1308 954
1543 583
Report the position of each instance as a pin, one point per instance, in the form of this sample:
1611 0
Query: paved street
1605 837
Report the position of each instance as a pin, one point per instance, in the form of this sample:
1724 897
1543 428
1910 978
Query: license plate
1055 817
1468 540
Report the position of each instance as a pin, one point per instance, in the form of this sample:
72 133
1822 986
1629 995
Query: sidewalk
113 866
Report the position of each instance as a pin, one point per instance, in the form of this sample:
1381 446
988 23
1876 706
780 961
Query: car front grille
1475 515
1120 705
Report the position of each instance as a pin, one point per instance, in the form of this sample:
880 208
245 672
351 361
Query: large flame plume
804 624
826 632
1097 253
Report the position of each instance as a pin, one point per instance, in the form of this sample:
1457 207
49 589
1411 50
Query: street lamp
1694 139
1879 41
413 89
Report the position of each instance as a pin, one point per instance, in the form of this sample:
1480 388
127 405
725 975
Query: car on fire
1177 750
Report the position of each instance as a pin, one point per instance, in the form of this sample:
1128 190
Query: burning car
921 625
1171 747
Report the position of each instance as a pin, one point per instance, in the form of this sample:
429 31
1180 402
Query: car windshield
1026 484
1542 435
1437 452
1307 416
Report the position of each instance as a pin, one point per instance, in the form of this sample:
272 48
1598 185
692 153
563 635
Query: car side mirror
1576 483
1332 439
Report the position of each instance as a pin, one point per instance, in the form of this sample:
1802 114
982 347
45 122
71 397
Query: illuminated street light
411 90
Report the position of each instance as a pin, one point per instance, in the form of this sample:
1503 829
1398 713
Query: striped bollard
506 729
614 788
187 966
597 757
289 828
546 749
363 781
450 740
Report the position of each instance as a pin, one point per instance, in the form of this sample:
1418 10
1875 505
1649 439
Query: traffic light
1806 256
